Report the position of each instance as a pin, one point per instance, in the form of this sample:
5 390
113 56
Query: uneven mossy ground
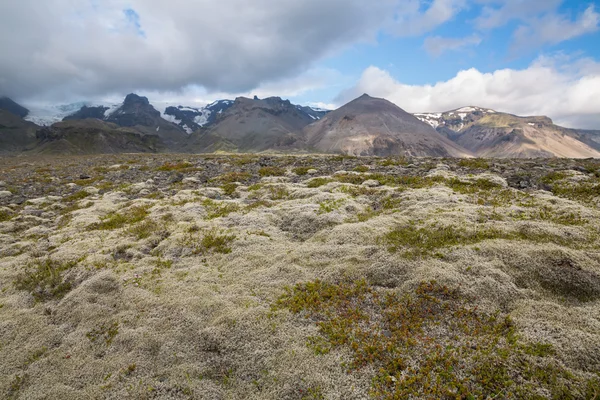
308 277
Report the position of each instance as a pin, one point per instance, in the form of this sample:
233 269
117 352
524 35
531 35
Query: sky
526 57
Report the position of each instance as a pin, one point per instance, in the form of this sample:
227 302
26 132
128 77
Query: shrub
179 167
318 182
301 170
430 343
232 177
105 333
5 215
118 220
82 194
217 210
229 188
44 279
474 163
271 171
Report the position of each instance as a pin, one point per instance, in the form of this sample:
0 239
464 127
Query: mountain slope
93 136
12 107
16 134
488 133
192 119
255 125
371 126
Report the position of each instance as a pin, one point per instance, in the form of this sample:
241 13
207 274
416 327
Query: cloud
437 45
540 21
412 21
62 48
568 93
554 28
497 13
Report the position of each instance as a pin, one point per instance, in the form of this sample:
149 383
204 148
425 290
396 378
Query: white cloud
497 13
437 45
555 28
570 94
412 21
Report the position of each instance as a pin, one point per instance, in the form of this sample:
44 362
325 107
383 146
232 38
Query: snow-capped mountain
313 112
187 118
454 120
46 115
192 118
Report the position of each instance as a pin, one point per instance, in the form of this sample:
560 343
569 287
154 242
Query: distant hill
488 133
255 125
16 134
93 136
7 104
372 126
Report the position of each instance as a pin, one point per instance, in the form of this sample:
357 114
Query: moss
393 162
144 229
271 171
329 206
318 182
278 192
351 178
119 220
104 333
44 279
16 385
229 188
213 241
217 210
5 215
82 194
429 343
177 167
361 168
553 177
414 242
301 171
233 177
474 163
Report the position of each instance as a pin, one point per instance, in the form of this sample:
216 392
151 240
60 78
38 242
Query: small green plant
232 177
474 163
179 167
278 192
16 385
353 179
5 215
430 343
82 194
105 333
144 229
215 241
392 162
271 171
118 220
318 182
328 206
229 188
218 210
362 168
44 279
301 171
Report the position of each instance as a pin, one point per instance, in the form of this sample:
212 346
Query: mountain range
365 126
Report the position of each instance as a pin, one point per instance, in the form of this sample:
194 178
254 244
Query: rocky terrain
148 276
